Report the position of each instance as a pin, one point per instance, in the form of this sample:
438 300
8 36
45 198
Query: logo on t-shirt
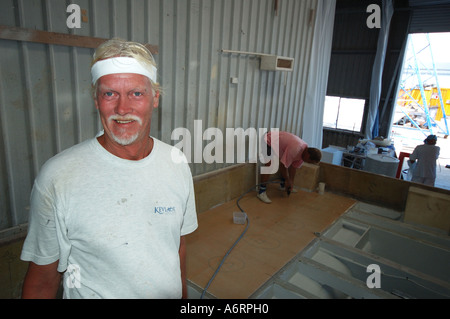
164 210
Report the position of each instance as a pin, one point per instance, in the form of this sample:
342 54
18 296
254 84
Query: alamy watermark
73 276
374 279
232 143
77 15
374 19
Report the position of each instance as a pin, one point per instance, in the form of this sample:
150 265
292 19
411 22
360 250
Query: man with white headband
108 216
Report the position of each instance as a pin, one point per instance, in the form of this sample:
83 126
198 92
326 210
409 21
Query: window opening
343 113
423 98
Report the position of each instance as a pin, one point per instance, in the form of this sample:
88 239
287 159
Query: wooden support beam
275 7
30 35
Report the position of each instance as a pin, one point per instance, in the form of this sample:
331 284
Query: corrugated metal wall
45 101
353 54
430 16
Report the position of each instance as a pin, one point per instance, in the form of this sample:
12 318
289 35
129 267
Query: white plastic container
381 164
321 188
332 154
239 217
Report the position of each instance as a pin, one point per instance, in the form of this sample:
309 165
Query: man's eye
109 94
137 94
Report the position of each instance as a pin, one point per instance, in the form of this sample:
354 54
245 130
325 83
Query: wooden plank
276 234
428 208
39 36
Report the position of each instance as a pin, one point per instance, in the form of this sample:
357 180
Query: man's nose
123 105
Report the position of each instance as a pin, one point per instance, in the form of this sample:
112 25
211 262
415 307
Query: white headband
121 65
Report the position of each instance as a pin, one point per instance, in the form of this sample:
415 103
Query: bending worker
291 152
426 155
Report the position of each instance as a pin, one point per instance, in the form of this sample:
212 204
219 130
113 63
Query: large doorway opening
423 98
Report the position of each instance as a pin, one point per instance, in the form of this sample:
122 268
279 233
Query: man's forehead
128 79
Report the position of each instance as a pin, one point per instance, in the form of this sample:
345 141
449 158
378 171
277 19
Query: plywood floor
277 233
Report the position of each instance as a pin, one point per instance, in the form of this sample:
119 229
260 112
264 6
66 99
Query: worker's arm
288 175
284 172
182 253
292 170
413 156
41 281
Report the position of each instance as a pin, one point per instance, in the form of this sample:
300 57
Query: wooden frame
39 36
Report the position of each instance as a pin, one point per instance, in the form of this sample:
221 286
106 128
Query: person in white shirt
108 216
426 156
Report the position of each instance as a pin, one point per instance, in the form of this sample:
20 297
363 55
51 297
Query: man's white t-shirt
426 155
113 224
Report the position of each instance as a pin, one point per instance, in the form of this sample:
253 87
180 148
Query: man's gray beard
125 141
129 140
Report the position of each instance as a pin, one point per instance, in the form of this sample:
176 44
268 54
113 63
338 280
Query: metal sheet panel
353 52
45 95
430 18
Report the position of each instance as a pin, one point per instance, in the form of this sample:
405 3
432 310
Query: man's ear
96 103
95 95
156 99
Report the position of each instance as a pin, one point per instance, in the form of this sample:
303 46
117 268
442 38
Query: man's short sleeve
413 155
41 245
190 222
